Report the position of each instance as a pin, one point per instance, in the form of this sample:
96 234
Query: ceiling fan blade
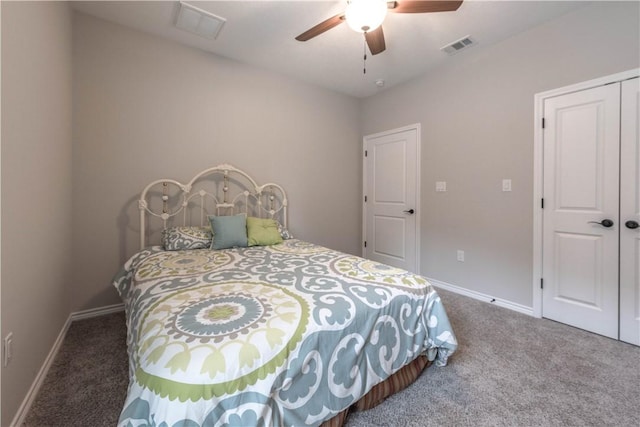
321 27
423 6
375 41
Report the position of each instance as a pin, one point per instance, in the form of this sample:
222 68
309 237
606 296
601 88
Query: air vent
459 45
198 21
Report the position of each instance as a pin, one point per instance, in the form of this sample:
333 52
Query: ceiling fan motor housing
365 15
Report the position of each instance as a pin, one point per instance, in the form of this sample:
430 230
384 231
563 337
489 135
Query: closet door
581 206
630 212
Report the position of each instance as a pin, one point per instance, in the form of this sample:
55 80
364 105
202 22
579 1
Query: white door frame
365 139
538 170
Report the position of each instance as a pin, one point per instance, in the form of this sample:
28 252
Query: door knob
632 224
410 211
605 223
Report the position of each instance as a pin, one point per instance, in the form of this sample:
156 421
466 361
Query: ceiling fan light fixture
365 15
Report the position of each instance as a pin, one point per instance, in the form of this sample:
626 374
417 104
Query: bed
270 330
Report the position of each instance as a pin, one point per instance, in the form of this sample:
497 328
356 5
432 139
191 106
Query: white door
391 167
581 209
630 213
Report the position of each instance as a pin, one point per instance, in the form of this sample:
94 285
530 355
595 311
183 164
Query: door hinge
366 153
543 123
541 283
365 199
365 243
542 203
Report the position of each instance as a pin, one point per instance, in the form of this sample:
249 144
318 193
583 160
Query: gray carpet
87 382
510 370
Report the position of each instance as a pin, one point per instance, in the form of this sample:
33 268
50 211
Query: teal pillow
262 232
228 231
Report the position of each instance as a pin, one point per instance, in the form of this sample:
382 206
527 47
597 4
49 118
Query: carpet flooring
510 370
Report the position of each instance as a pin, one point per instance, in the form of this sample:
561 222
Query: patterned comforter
289 334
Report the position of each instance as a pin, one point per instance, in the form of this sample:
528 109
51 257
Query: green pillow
228 231
262 232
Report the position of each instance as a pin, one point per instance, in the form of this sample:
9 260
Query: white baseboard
18 420
23 410
95 312
482 297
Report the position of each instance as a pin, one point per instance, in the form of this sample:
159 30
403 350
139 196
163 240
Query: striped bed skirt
396 382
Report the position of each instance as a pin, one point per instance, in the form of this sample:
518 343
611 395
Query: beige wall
36 187
146 108
477 129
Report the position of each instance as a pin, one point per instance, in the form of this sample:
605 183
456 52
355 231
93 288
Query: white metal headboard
220 190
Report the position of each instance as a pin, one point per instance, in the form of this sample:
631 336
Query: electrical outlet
7 349
506 185
460 255
441 186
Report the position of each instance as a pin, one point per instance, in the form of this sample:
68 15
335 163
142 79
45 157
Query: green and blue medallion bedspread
280 335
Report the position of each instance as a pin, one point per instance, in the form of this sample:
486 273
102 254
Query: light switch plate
506 185
441 186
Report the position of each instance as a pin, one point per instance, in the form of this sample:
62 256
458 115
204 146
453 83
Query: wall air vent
198 21
459 45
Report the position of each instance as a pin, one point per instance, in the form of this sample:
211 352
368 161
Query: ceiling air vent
198 21
458 45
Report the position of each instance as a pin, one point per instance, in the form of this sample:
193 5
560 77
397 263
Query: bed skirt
396 382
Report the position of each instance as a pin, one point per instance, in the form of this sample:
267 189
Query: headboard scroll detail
220 190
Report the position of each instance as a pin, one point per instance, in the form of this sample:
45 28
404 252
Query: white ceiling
261 34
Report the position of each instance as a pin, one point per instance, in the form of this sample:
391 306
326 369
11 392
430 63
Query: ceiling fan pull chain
364 62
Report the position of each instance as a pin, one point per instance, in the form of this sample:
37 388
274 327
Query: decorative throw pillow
286 235
262 232
228 231
183 238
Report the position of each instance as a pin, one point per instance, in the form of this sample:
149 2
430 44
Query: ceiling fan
366 16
